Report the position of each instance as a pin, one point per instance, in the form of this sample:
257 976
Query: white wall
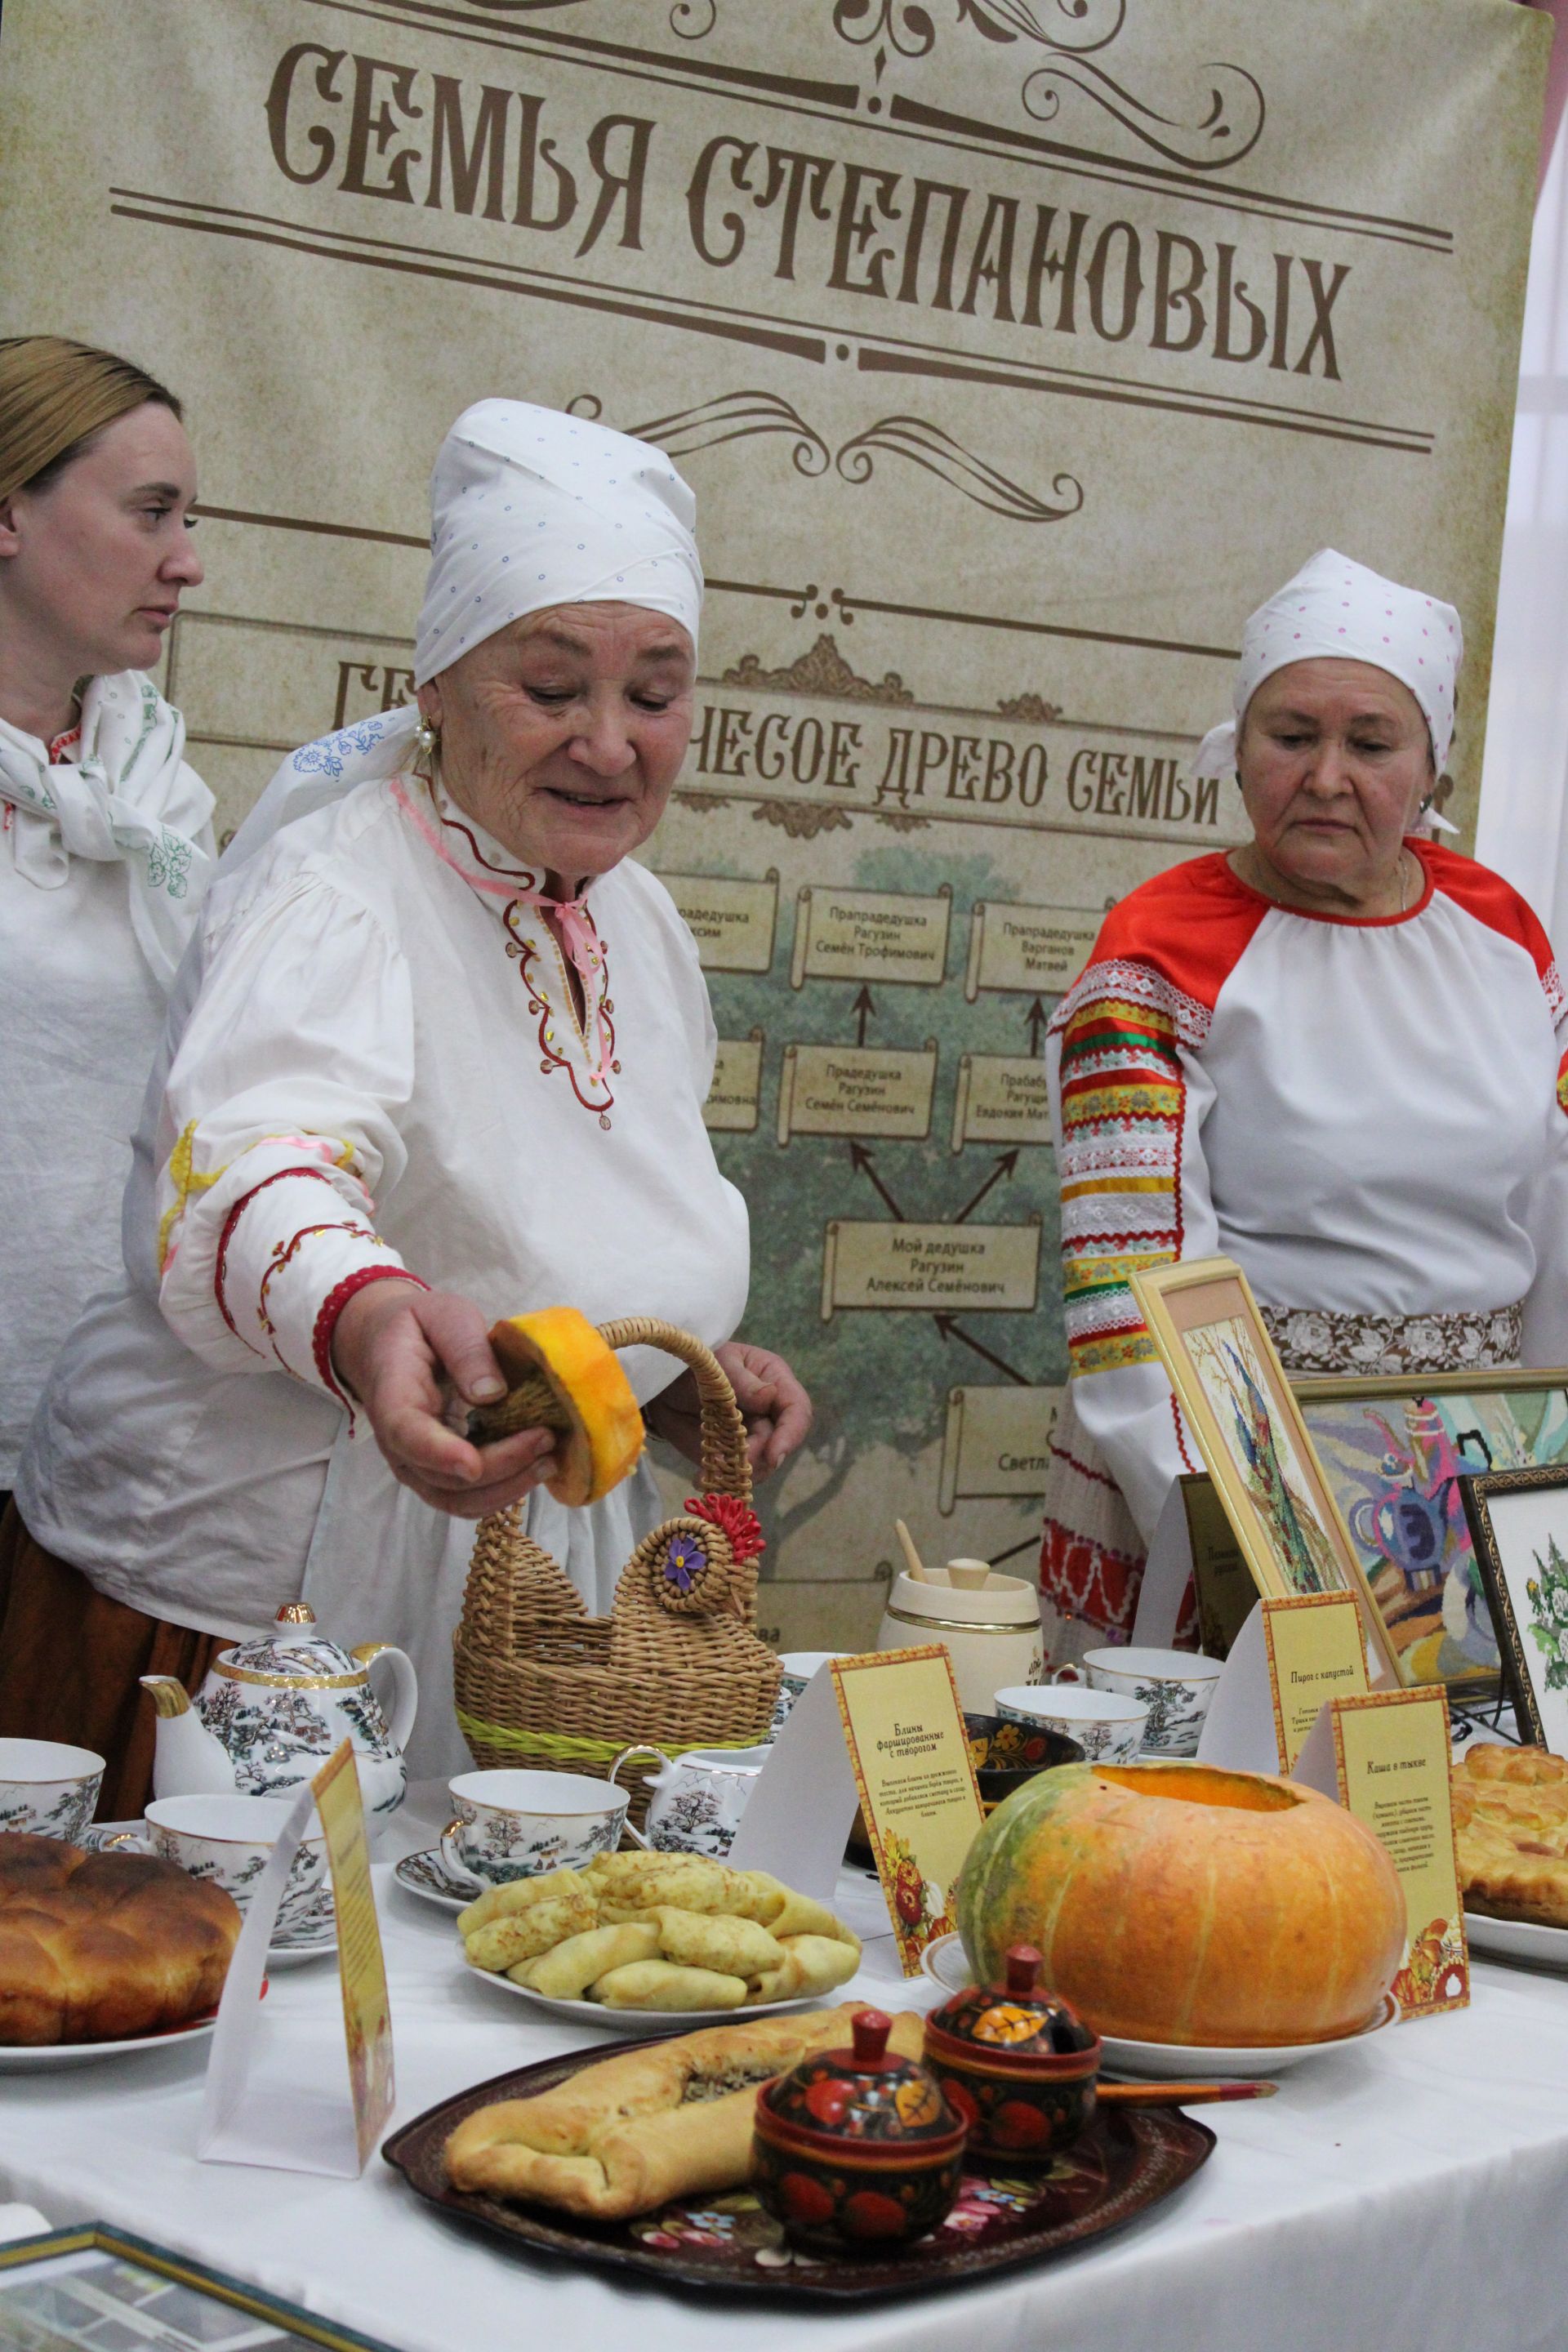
1524 779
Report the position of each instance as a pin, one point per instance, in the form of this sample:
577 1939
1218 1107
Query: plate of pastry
639 2158
105 1954
1511 1836
644 1941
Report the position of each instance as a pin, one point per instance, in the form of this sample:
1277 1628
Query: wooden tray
1126 2163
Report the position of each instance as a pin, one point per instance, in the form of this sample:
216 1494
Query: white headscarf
529 509
1335 607
127 795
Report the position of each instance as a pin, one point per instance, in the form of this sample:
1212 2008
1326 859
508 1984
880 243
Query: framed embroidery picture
1520 1522
1394 1449
93 2288
1203 1318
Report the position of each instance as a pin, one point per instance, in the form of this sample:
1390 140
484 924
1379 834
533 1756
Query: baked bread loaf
101 1946
673 2119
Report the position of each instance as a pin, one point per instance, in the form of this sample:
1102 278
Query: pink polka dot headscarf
530 507
1335 606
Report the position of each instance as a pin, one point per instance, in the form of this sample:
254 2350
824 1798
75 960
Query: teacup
49 1789
229 1840
1175 1685
799 1665
1108 1728
514 1823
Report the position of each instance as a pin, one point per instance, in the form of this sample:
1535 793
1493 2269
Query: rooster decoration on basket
676 1663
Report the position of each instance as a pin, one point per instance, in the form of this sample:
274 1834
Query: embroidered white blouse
81 1011
383 1068
1369 1116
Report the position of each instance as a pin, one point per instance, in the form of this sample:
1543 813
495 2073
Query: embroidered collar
583 1048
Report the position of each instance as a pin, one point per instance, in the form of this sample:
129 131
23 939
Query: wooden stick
916 1564
1180 2094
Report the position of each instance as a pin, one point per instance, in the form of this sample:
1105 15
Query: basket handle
725 1467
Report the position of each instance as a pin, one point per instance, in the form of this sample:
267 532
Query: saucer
944 1963
426 1874
295 1950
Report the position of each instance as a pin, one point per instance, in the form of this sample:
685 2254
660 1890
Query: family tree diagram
884 942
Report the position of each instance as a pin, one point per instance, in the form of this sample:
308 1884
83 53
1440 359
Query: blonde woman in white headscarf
445 1061
104 835
1335 1054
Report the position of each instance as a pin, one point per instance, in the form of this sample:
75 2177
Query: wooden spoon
916 1564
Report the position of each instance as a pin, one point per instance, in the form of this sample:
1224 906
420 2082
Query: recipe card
1387 1759
269 2097
1317 1651
905 1731
362 1971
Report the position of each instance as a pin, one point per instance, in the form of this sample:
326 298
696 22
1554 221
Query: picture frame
94 2288
1227 1373
1395 1448
1519 1519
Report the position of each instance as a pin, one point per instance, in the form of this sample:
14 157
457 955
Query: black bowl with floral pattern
1005 1753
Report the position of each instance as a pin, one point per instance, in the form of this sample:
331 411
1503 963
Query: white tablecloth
1410 2193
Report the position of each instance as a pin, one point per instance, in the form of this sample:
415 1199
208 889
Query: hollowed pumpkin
562 1376
1173 1902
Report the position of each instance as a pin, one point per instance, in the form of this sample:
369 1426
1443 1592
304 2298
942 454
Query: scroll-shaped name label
1039 947
871 935
732 923
856 1090
950 1269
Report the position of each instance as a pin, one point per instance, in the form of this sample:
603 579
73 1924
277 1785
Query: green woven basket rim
566 1747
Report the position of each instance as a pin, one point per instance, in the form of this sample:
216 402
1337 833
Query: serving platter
1126 2163
944 1963
1528 1941
642 2022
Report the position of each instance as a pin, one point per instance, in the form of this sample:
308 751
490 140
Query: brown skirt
71 1661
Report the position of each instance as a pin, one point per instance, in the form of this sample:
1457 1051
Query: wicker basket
675 1665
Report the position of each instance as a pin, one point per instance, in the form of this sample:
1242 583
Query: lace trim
1311 1341
1140 985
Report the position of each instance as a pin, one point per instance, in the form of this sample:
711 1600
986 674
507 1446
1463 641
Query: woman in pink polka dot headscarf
1333 1053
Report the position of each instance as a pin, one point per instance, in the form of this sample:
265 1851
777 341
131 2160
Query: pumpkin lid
1018 2019
866 2095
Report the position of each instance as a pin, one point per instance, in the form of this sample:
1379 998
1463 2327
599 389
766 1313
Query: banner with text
1015 349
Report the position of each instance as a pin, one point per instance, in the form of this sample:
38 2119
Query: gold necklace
1257 880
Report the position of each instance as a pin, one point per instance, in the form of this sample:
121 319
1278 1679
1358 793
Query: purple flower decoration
683 1562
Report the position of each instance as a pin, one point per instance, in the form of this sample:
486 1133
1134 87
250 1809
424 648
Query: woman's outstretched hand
413 1360
774 1405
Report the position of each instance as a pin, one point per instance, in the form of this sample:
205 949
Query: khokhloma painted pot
1175 1903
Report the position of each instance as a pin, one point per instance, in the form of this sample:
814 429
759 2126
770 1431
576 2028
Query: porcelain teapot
271 1712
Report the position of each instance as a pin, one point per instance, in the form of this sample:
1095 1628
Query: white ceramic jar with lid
989 1623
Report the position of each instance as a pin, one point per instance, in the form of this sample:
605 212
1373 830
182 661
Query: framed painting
1520 1522
92 2288
1394 1450
1203 1318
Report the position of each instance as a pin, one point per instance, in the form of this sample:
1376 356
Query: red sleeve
1496 903
1192 925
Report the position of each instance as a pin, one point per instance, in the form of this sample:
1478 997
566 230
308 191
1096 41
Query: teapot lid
296 1651
867 2093
1019 2019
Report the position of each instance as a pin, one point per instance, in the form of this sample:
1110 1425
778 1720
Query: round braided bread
99 1947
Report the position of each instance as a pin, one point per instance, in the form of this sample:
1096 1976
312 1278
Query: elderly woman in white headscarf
443 1058
1334 1055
